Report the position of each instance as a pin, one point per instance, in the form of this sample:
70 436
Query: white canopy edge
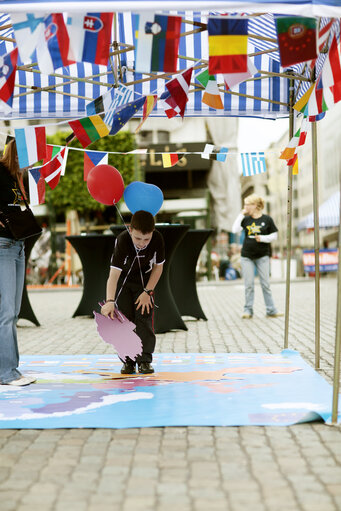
302 9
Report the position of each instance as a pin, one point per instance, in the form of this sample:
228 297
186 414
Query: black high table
183 272
95 252
167 315
26 311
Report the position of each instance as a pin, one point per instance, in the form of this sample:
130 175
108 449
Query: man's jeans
12 275
248 270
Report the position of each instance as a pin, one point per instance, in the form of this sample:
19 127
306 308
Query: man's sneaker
23 380
145 368
128 368
246 315
275 315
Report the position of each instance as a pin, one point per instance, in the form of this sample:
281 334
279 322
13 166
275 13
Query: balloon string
136 257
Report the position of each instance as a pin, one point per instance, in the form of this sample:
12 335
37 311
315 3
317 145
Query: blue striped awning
329 214
264 96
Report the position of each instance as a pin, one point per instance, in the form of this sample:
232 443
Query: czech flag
92 159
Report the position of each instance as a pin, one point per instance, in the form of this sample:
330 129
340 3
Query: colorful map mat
188 389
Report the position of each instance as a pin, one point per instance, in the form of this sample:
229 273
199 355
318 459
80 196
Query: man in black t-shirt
135 269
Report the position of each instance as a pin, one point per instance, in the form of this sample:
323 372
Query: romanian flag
157 43
89 129
171 159
147 108
227 45
211 96
296 39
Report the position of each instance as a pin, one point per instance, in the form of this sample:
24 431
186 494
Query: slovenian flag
89 129
227 45
36 185
157 43
53 46
31 145
8 67
90 37
92 159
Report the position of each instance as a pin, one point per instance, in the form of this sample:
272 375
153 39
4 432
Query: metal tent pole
289 220
316 244
336 379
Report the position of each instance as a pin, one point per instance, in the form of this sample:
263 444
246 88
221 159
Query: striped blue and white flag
253 163
121 97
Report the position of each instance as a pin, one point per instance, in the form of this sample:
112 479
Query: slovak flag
52 170
8 67
90 37
53 45
36 185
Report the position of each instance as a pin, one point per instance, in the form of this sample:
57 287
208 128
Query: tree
71 192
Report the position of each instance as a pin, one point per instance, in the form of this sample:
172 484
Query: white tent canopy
329 214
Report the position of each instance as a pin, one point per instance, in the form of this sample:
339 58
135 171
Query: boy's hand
108 310
144 302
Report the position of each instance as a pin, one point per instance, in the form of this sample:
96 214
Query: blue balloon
143 196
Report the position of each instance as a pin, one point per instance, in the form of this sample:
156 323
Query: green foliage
72 192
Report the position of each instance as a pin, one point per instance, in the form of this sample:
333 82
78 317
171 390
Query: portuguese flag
89 129
296 39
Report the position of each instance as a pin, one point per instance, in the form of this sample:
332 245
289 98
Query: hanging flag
93 158
321 99
51 151
89 129
124 113
148 106
169 105
293 162
211 96
171 159
90 37
303 132
31 145
322 40
227 45
253 163
28 29
296 39
331 71
101 104
52 170
178 89
53 45
36 186
212 152
158 40
8 67
233 79
301 104
290 149
121 97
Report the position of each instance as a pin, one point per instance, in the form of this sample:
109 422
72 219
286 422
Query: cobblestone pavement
193 468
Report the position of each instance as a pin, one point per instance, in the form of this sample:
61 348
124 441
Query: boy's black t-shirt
10 195
263 225
124 256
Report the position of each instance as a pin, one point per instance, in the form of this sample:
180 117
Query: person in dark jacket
12 270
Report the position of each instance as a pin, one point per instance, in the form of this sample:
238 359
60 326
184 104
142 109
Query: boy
135 269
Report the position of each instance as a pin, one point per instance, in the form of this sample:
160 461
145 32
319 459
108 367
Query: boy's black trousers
144 322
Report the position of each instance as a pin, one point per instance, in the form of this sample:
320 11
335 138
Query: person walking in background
135 269
259 230
12 271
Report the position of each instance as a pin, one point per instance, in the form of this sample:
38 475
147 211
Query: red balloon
105 184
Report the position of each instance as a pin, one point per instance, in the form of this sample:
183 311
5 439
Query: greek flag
122 96
253 163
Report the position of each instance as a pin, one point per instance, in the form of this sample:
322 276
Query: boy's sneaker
275 315
128 368
246 315
145 368
23 380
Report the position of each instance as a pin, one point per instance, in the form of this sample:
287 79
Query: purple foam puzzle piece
120 333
